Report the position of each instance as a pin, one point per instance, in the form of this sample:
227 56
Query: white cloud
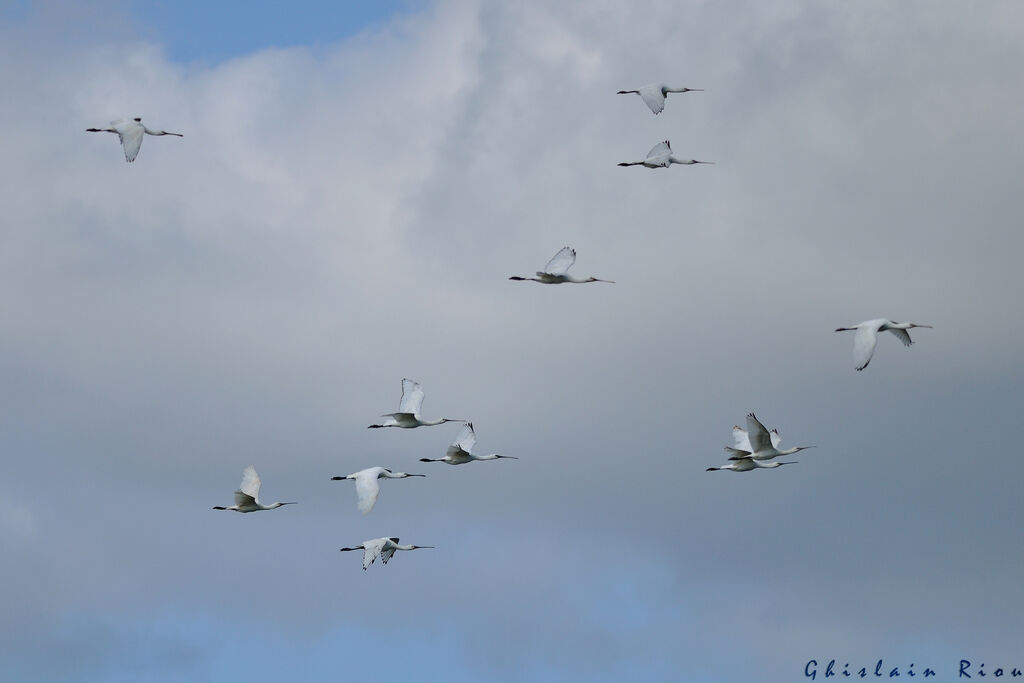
336 219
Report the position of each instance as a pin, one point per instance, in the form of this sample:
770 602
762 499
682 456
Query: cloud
338 218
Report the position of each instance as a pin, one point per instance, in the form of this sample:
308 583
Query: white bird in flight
368 486
867 336
247 497
758 443
385 547
461 450
655 93
748 463
408 415
555 272
130 133
660 156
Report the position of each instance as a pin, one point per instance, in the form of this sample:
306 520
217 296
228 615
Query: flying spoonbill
385 547
655 93
408 415
460 452
368 486
660 156
554 272
867 336
747 464
247 497
130 133
758 443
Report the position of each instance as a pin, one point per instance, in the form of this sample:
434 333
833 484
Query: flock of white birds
754 447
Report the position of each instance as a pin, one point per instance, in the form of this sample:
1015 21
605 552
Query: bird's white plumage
251 483
654 97
408 415
561 262
383 547
465 440
368 484
757 443
244 500
661 156
248 494
661 149
367 489
130 133
742 442
461 450
865 337
371 549
759 438
412 397
388 550
902 335
864 341
742 462
556 270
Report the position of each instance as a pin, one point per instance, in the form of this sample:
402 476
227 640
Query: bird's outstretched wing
740 440
758 435
250 483
864 340
131 139
737 453
243 499
902 335
561 262
412 397
388 551
776 438
466 438
660 149
654 97
367 488
371 549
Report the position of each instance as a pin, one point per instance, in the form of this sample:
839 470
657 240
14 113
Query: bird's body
130 133
408 415
654 94
461 450
368 484
747 464
661 156
383 547
867 336
757 443
556 271
247 497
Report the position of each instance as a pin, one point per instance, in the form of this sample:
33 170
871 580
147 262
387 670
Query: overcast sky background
353 189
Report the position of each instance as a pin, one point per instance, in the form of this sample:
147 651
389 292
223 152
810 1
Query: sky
355 184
